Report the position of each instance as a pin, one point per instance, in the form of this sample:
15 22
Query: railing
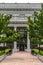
19 5
19 19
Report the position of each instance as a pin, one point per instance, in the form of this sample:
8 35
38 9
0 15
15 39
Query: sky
21 1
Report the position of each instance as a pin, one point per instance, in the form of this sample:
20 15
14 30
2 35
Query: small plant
41 52
36 51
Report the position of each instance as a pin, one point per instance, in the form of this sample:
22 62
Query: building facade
20 12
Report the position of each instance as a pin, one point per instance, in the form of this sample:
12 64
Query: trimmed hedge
6 51
1 52
41 52
36 51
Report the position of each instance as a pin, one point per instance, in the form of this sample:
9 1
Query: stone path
21 58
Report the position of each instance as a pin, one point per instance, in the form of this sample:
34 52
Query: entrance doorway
22 43
21 47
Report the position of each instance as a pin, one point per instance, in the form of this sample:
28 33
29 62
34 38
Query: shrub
1 52
7 51
41 52
36 51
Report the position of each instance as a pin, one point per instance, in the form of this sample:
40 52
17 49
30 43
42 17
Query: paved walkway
21 58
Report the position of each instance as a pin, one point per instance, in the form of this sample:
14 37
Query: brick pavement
21 58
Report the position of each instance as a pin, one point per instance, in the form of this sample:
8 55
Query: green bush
41 52
6 51
36 51
1 52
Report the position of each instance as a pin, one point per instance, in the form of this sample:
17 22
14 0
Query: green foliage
41 52
12 35
1 52
30 28
6 51
36 51
4 21
35 28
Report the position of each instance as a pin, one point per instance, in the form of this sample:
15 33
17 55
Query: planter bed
36 51
4 53
2 57
40 57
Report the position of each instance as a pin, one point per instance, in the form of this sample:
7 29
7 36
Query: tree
31 32
35 28
4 30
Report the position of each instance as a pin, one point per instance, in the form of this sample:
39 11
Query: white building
20 12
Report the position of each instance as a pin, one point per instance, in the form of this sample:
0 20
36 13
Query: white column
28 44
15 28
15 44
